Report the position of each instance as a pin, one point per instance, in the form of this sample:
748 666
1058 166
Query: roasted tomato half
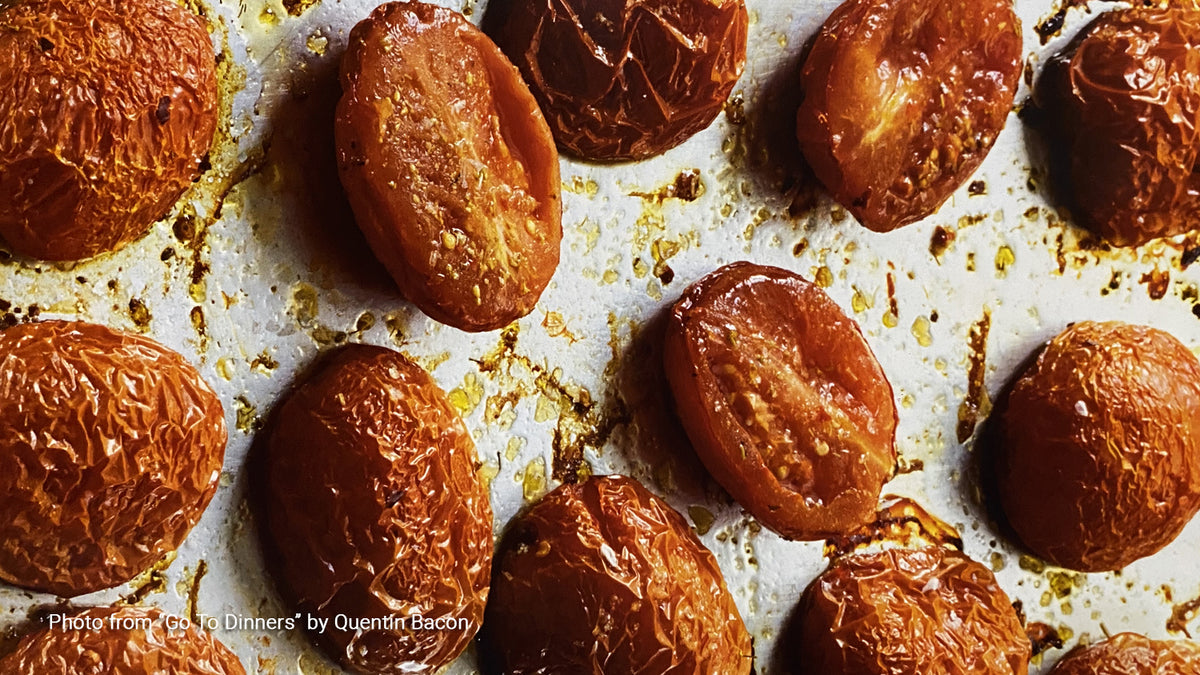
903 99
375 512
108 108
1123 102
624 79
110 449
603 577
782 399
932 611
449 166
1099 463
129 641
1131 654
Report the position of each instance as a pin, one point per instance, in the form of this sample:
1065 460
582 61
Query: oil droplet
824 277
488 472
921 331
890 319
225 368
546 410
317 44
467 397
861 302
1004 259
998 563
534 483
513 448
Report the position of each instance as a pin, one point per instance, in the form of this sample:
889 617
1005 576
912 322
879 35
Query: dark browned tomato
108 108
624 79
1123 101
127 641
375 512
449 166
782 399
1099 462
603 577
932 611
1131 654
110 449
903 99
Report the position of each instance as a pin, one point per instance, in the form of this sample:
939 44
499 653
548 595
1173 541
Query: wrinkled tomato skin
114 650
374 510
782 399
109 107
449 166
111 447
603 577
1123 102
1099 462
1131 654
903 99
898 612
624 79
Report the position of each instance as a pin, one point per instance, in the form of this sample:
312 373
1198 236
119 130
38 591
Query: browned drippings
977 403
899 520
687 186
1181 614
940 241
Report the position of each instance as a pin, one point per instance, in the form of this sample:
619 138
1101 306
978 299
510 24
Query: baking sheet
261 268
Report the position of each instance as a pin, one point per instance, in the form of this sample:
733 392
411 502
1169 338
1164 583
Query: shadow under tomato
303 151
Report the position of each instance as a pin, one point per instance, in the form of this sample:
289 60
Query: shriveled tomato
624 79
1123 103
1131 654
904 98
897 612
449 166
123 645
782 399
605 578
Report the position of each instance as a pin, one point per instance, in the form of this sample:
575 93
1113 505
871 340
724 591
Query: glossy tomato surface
1100 456
603 577
108 108
782 399
375 511
903 99
624 79
1124 106
115 649
1131 654
931 611
110 449
449 166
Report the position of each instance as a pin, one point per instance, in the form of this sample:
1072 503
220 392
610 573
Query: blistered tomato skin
1099 462
114 649
898 612
1123 101
903 99
449 166
1131 654
110 449
782 398
604 577
374 511
109 107
624 79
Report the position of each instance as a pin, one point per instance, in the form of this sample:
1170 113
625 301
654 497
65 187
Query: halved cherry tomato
782 399
904 98
449 166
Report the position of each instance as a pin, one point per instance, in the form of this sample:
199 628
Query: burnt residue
139 314
1043 637
893 304
298 7
583 422
939 242
1181 615
1158 282
976 404
977 188
193 596
1190 255
688 186
899 520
